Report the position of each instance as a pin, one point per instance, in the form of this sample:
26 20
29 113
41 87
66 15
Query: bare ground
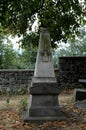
10 117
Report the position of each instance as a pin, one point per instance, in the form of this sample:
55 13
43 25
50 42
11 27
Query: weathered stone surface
82 81
79 94
44 64
46 101
16 79
81 104
44 88
44 112
44 106
42 119
71 69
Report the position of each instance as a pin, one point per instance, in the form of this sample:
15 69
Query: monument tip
43 29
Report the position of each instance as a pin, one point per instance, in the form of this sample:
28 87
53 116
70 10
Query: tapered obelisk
44 89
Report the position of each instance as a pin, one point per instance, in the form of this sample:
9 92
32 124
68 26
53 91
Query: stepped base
43 108
38 120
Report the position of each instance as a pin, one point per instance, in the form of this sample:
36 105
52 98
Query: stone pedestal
44 89
44 104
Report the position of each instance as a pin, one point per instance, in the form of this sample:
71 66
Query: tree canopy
61 17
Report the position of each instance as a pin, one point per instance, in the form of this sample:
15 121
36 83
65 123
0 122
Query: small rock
81 104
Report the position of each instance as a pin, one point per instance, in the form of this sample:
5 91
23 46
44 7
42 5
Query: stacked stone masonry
71 69
16 80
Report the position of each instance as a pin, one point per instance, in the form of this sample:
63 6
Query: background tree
27 58
61 17
73 47
8 57
12 59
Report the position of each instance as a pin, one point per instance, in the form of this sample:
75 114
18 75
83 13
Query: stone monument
44 89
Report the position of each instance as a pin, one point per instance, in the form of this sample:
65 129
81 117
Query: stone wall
16 81
71 69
